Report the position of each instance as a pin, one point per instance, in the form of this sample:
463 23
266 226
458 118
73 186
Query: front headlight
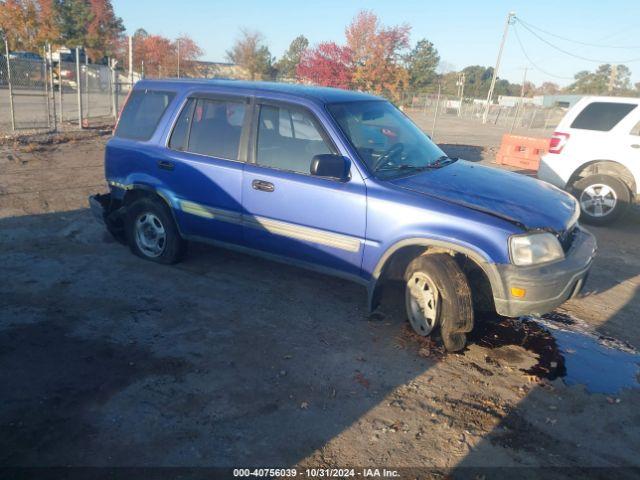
534 248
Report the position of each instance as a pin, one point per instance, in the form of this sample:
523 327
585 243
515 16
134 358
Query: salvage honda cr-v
341 182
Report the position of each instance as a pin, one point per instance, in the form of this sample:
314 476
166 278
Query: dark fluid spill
602 364
566 348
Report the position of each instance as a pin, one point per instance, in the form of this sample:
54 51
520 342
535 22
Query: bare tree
251 53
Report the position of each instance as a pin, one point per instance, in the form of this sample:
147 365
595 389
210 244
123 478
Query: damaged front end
109 212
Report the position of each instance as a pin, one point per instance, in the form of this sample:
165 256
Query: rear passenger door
289 212
203 166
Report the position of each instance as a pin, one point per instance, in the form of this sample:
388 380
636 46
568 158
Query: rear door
203 165
598 129
289 212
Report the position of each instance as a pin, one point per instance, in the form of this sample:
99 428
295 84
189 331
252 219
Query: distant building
512 100
560 100
219 70
544 101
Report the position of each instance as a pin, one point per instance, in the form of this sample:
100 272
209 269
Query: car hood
522 200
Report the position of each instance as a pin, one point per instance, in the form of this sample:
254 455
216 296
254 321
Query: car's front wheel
602 198
437 295
152 233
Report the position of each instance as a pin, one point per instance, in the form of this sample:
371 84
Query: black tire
455 305
584 187
173 247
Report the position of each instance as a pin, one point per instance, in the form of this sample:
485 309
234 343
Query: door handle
635 145
165 165
263 186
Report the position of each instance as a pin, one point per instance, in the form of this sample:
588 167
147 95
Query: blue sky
465 32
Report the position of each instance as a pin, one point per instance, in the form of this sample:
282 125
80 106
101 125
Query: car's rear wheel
602 198
437 295
152 233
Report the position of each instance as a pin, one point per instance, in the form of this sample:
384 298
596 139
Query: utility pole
613 77
510 16
460 83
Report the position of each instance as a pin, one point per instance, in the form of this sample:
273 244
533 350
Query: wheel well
605 167
396 265
134 194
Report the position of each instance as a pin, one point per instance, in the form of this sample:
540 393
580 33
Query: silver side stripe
209 212
307 234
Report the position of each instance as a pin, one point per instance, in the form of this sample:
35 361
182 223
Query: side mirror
330 166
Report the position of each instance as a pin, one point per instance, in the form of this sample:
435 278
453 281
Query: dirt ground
229 360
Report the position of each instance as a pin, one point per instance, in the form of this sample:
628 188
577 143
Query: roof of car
600 98
320 94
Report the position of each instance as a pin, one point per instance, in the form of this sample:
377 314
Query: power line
573 54
586 44
533 64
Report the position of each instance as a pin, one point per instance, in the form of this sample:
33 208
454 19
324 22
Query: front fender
481 258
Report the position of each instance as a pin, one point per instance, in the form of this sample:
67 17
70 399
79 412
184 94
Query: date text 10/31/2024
316 472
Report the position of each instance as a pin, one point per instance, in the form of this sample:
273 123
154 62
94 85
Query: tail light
558 141
121 109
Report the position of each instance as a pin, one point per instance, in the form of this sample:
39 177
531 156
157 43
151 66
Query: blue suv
344 183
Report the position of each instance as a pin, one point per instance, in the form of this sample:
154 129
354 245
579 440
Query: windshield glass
387 141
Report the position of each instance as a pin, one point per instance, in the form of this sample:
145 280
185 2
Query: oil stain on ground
566 348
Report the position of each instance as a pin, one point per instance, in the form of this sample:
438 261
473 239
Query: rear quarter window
602 116
142 113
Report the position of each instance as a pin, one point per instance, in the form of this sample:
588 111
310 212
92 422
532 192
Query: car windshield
387 141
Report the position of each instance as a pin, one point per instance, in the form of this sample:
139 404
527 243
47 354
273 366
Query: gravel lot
229 360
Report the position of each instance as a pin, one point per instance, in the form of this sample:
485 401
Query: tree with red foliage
160 54
103 30
327 64
377 54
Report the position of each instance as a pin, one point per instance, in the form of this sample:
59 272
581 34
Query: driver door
287 211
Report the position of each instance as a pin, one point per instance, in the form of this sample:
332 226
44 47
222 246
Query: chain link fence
40 94
522 117
23 94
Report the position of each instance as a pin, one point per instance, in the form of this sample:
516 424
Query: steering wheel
386 157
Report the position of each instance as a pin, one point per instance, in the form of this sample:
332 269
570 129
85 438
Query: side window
142 113
180 133
602 116
288 139
636 130
216 127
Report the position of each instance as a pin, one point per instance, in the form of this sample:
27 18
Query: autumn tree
160 54
421 64
103 30
289 62
548 88
187 51
19 22
251 53
30 24
49 23
377 53
327 64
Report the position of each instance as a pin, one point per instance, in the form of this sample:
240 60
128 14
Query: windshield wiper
403 166
442 161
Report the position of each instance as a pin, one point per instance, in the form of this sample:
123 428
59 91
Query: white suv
595 155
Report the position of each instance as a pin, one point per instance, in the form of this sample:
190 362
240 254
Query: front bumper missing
547 286
109 213
99 206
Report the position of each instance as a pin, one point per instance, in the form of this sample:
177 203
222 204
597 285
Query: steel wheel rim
150 235
598 200
423 303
